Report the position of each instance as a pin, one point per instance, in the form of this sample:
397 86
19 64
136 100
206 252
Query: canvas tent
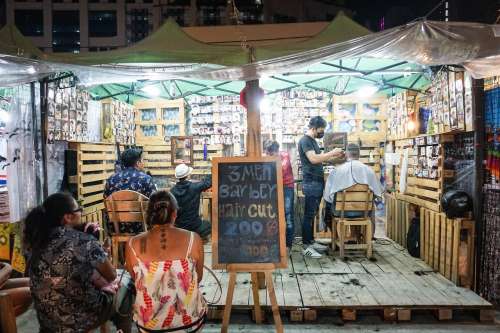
343 48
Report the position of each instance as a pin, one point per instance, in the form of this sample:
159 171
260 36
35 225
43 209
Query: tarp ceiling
170 54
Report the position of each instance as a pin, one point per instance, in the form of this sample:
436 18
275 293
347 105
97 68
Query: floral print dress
168 296
65 299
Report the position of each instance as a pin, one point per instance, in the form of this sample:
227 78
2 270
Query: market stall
412 121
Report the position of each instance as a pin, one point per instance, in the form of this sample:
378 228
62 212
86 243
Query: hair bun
161 205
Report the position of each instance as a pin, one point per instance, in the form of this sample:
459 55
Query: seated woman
61 262
167 265
17 289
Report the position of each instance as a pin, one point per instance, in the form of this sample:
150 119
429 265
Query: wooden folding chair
124 207
357 198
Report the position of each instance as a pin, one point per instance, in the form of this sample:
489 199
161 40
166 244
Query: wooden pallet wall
448 246
95 163
158 161
398 219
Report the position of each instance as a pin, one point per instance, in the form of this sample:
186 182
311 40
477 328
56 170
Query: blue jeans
313 192
290 232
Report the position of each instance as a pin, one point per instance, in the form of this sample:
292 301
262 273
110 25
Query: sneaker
311 252
319 247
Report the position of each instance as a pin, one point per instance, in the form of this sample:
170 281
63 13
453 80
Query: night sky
397 12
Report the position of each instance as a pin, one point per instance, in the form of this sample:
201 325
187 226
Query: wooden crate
369 154
159 109
157 159
398 219
447 245
95 163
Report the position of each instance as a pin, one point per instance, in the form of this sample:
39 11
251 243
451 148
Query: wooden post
256 300
254 146
479 142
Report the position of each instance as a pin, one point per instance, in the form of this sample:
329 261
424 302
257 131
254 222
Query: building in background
98 25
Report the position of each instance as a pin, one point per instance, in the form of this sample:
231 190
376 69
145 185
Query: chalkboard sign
248 225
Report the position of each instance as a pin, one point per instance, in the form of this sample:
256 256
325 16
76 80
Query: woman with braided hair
166 264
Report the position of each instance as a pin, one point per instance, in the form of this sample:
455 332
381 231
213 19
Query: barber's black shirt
310 172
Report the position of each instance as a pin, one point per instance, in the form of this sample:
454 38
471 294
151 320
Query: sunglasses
78 210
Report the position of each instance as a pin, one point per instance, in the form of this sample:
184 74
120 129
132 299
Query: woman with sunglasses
61 262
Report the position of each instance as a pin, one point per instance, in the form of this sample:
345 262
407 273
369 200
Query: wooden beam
254 146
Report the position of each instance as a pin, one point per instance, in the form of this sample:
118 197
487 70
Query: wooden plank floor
394 279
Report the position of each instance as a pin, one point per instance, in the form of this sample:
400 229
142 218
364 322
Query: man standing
188 195
272 149
313 182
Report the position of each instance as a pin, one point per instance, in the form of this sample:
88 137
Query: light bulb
366 91
152 91
4 116
411 125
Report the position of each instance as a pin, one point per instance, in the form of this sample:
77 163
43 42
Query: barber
313 182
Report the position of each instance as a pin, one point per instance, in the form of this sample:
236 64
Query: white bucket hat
182 171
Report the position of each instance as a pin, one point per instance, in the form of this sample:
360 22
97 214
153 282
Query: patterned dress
64 297
167 294
133 180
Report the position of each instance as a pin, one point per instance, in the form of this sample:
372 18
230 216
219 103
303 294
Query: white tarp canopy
475 46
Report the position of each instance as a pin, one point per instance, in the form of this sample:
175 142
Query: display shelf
158 119
426 175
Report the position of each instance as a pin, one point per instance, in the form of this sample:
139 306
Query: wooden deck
392 280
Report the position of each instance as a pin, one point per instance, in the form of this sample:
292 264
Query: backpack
413 238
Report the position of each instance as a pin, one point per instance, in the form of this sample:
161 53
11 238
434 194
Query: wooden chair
357 198
124 207
15 298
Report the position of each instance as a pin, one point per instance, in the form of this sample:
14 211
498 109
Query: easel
254 149
255 292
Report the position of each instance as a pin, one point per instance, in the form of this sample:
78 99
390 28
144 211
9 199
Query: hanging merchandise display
492 124
67 109
217 120
490 265
447 107
117 121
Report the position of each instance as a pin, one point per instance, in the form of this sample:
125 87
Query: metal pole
43 134
479 141
36 145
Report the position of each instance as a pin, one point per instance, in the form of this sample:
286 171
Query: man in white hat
188 195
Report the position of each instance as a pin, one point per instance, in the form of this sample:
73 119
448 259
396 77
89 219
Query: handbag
123 302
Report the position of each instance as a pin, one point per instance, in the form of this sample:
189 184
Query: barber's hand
337 152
